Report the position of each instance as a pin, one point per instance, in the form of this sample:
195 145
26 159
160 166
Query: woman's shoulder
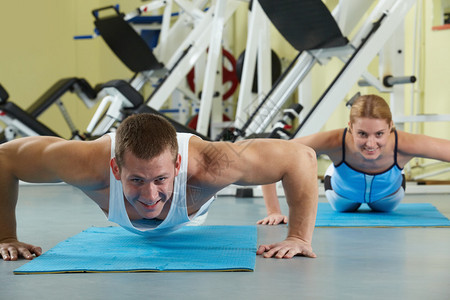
406 140
325 142
334 139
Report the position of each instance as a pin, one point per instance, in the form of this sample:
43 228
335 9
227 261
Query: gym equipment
178 126
315 29
356 55
120 37
207 26
119 97
281 128
367 43
21 122
350 102
116 96
135 53
229 76
275 67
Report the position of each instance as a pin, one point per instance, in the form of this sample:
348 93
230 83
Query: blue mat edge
133 271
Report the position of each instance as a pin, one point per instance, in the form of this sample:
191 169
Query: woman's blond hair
370 106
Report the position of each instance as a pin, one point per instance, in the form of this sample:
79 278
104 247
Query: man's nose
150 192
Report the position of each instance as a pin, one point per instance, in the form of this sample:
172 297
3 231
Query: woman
368 159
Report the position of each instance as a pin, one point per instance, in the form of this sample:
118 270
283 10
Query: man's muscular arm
39 159
263 161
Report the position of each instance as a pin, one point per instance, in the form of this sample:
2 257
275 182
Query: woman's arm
274 214
326 142
419 145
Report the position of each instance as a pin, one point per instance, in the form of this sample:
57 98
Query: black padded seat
125 42
3 95
57 90
126 90
16 112
305 24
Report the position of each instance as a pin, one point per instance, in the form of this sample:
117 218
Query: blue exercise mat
113 249
405 215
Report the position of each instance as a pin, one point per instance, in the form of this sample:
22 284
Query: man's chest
197 196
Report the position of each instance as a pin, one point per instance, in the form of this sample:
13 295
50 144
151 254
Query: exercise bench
20 122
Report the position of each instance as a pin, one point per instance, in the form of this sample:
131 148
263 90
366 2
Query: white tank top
177 215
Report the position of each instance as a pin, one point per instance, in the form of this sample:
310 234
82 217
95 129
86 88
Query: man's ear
177 164
115 168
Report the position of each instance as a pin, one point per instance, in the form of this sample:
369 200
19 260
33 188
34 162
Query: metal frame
363 48
207 32
257 46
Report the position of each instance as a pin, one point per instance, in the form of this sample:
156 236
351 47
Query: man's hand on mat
15 249
287 249
273 219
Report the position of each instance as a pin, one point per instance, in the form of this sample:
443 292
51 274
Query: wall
37 49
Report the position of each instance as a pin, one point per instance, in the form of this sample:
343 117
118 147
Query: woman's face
370 136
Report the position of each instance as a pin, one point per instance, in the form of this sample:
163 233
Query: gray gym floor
352 263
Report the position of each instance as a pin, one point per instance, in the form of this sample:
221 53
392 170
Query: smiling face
370 136
147 184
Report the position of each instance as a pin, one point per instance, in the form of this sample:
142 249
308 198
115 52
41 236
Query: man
151 180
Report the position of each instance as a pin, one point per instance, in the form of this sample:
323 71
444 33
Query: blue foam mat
405 215
113 249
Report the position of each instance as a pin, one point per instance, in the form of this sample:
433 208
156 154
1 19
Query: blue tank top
362 187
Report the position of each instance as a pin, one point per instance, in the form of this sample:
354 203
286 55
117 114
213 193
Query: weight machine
317 37
19 122
206 34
